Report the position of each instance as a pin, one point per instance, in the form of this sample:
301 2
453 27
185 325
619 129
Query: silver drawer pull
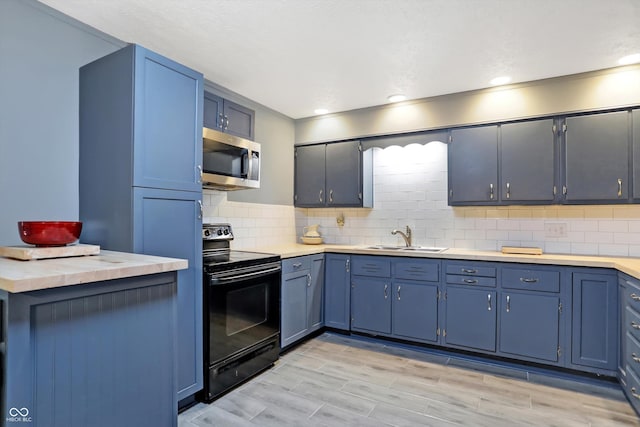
297 265
635 358
634 325
635 297
528 280
469 271
399 292
386 288
470 281
634 394
489 302
508 303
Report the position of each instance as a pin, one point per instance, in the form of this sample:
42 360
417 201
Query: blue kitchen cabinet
527 162
301 298
530 324
414 311
227 116
594 330
140 189
371 305
473 166
596 150
470 318
629 372
635 119
99 354
338 174
337 291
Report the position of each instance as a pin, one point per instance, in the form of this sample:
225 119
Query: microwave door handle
250 161
245 165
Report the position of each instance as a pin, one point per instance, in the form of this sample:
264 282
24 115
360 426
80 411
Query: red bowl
49 233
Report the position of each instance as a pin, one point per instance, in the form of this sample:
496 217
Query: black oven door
243 309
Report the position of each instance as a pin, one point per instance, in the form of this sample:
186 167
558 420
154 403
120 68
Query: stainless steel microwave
229 162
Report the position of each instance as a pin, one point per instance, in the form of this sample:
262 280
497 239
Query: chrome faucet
406 237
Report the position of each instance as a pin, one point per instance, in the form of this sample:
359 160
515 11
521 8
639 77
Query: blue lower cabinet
99 354
415 311
530 326
371 305
337 291
470 318
594 330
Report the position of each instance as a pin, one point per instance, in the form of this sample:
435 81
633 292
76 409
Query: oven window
246 308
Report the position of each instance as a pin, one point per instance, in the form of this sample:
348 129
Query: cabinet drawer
370 266
633 323
426 271
291 265
471 281
632 294
471 269
632 355
531 280
632 389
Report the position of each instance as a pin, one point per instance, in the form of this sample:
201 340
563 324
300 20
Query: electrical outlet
555 229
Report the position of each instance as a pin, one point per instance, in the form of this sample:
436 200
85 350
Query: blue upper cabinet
596 149
636 154
153 99
229 117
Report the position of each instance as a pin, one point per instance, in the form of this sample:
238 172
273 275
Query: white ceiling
298 55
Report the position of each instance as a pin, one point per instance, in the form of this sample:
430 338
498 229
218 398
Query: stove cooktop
227 259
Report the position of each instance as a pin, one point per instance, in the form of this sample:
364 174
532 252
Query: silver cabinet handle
491 191
634 325
635 297
399 292
634 394
619 187
635 358
308 280
466 270
528 280
226 123
508 303
199 173
330 196
489 302
470 281
508 190
386 288
348 265
200 209
297 265
221 120
320 196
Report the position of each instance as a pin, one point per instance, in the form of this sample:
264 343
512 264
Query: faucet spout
406 236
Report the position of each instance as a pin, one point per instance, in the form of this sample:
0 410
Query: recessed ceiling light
629 59
502 80
321 111
396 98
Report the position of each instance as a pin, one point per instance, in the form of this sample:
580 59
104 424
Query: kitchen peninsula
89 340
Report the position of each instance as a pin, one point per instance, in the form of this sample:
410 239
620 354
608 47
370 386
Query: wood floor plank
349 402
329 415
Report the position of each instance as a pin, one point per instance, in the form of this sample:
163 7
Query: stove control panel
217 232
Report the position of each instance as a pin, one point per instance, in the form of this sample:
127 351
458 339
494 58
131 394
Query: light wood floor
335 380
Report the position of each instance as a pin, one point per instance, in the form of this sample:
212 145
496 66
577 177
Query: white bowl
311 240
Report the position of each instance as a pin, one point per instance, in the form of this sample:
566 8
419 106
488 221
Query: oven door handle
213 280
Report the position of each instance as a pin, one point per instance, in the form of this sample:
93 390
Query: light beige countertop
23 276
630 266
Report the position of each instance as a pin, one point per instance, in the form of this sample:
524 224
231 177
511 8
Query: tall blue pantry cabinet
140 188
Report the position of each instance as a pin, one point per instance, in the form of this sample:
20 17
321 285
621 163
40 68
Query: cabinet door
470 318
636 154
309 176
594 332
527 162
415 311
473 166
371 305
315 316
239 120
337 292
530 325
597 158
167 123
213 117
344 174
168 223
294 306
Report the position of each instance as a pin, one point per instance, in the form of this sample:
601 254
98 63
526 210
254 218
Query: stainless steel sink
428 249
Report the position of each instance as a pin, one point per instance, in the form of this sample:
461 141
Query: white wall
410 186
